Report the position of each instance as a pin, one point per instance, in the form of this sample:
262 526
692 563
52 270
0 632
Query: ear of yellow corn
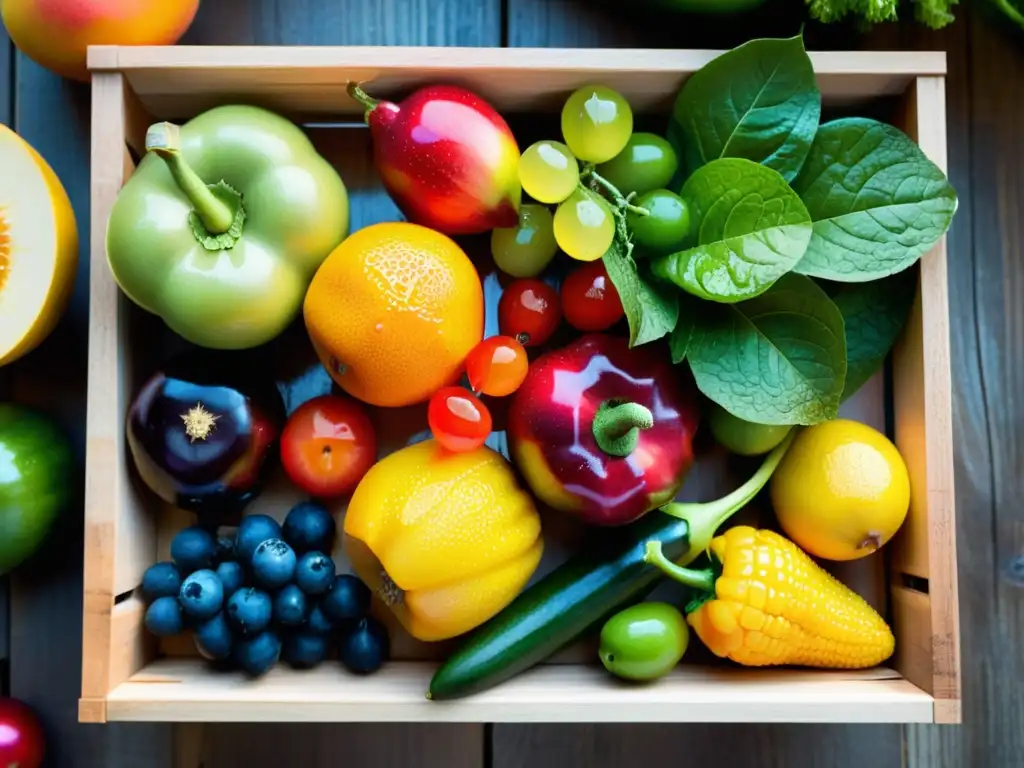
772 605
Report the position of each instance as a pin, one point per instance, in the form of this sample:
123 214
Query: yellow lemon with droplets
393 312
841 491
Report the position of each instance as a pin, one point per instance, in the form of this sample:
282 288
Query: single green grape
644 641
744 438
526 250
596 123
548 171
666 226
647 162
584 225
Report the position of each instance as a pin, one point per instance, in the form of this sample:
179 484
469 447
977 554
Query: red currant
529 311
589 299
458 420
497 366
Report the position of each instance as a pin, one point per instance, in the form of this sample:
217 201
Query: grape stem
617 197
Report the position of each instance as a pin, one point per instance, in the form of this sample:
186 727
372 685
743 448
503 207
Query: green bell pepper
222 226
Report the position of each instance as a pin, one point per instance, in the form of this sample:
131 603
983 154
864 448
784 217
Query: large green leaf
758 101
873 315
878 203
751 229
779 358
651 311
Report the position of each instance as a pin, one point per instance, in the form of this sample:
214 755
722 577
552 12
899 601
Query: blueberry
225 549
258 654
253 531
249 610
304 650
202 594
232 576
290 607
273 564
213 637
163 617
315 573
309 527
161 580
318 623
348 599
193 549
364 647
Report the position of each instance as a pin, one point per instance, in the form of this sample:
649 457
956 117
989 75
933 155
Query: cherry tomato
497 366
529 311
589 300
458 420
327 445
22 742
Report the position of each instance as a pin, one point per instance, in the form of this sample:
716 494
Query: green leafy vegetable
758 101
877 202
933 13
873 315
651 310
751 230
685 332
779 358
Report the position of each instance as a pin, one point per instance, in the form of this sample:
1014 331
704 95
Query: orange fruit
393 312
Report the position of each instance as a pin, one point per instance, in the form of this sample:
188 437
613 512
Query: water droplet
379 327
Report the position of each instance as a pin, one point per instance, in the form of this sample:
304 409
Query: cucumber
588 589
562 606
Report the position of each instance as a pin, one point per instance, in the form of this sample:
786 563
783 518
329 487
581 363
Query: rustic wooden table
41 604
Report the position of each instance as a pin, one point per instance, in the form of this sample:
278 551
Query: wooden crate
126 676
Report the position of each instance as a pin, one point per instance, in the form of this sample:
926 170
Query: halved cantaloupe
38 247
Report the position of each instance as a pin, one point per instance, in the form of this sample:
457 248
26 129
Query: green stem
707 517
617 426
703 580
164 139
358 94
620 200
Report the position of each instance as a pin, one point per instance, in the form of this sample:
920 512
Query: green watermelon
37 473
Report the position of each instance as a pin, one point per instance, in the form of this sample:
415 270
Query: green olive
644 641
744 438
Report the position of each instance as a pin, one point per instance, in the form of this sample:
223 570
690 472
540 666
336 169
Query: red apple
22 742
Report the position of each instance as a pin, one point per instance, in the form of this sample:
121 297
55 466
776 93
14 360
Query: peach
56 33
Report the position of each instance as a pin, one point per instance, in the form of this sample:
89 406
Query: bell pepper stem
707 517
365 100
617 426
164 139
703 580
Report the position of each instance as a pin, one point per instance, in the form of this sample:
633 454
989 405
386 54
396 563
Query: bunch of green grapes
597 128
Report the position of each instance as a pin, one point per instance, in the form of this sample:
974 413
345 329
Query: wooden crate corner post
120 540
924 578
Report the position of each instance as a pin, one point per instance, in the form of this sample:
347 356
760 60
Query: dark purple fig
203 432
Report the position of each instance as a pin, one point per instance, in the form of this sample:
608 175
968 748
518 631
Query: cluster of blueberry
268 593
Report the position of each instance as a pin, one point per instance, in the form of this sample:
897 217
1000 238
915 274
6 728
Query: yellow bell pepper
446 540
765 602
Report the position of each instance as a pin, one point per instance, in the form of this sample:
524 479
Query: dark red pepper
602 431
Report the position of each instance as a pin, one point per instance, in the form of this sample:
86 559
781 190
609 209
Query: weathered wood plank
987 267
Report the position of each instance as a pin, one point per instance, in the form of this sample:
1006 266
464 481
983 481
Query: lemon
841 491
